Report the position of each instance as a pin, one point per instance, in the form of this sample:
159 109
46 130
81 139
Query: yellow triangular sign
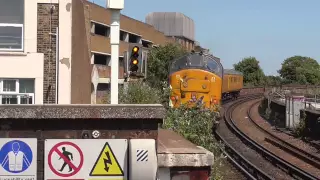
106 164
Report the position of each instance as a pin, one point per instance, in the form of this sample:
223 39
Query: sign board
18 158
87 159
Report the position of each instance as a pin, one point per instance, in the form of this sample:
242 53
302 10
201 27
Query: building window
102 30
134 38
101 59
11 25
146 44
16 91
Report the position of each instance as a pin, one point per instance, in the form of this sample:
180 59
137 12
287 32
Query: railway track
261 163
245 159
275 140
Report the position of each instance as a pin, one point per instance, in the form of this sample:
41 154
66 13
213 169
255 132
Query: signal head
135 49
135 62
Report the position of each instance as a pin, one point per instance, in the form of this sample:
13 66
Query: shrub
300 129
196 124
139 93
136 93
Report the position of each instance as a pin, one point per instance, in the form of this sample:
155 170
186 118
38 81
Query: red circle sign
74 167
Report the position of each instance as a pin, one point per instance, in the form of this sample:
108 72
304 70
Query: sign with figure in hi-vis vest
18 158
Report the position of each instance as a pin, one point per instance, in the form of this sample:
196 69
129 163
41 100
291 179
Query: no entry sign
65 154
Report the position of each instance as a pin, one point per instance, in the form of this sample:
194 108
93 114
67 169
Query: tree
300 69
158 63
273 80
252 72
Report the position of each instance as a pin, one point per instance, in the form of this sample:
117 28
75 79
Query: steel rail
291 169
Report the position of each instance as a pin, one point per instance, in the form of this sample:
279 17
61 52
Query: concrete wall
276 115
171 174
164 174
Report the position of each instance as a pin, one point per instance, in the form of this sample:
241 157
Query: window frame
16 93
22 37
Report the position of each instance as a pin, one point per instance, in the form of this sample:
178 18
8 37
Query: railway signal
134 59
135 62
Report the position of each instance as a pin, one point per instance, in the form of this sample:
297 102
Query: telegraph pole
115 6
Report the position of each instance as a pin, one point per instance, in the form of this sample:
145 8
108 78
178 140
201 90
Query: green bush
196 124
300 129
139 93
136 93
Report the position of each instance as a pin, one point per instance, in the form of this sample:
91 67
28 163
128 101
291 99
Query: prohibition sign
74 167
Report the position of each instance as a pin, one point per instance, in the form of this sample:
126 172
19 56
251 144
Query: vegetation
159 60
300 129
196 123
300 70
252 72
136 93
294 70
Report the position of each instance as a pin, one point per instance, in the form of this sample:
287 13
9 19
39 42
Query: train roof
232 72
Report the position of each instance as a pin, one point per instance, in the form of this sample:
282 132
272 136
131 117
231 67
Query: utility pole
115 6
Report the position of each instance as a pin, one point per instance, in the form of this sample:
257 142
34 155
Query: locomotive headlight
204 86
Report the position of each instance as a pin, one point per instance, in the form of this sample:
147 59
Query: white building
24 72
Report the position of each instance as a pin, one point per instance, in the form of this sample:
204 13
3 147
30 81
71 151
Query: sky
270 30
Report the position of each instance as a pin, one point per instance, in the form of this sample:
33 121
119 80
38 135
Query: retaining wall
276 115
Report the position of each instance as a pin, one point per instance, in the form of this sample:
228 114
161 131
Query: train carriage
232 84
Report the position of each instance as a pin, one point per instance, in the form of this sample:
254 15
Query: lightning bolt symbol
107 161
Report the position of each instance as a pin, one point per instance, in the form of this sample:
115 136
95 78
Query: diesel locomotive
197 78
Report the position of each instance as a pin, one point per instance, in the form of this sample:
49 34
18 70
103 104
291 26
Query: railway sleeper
238 159
278 162
283 168
301 156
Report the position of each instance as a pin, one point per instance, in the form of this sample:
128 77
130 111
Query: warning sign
86 159
106 164
68 157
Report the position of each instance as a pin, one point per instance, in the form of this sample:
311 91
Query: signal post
115 6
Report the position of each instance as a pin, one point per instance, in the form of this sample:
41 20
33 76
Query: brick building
58 51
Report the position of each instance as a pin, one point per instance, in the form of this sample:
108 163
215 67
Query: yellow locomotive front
195 79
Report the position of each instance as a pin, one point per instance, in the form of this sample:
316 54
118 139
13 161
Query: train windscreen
196 61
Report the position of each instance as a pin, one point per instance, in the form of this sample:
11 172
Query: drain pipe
57 62
57 65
